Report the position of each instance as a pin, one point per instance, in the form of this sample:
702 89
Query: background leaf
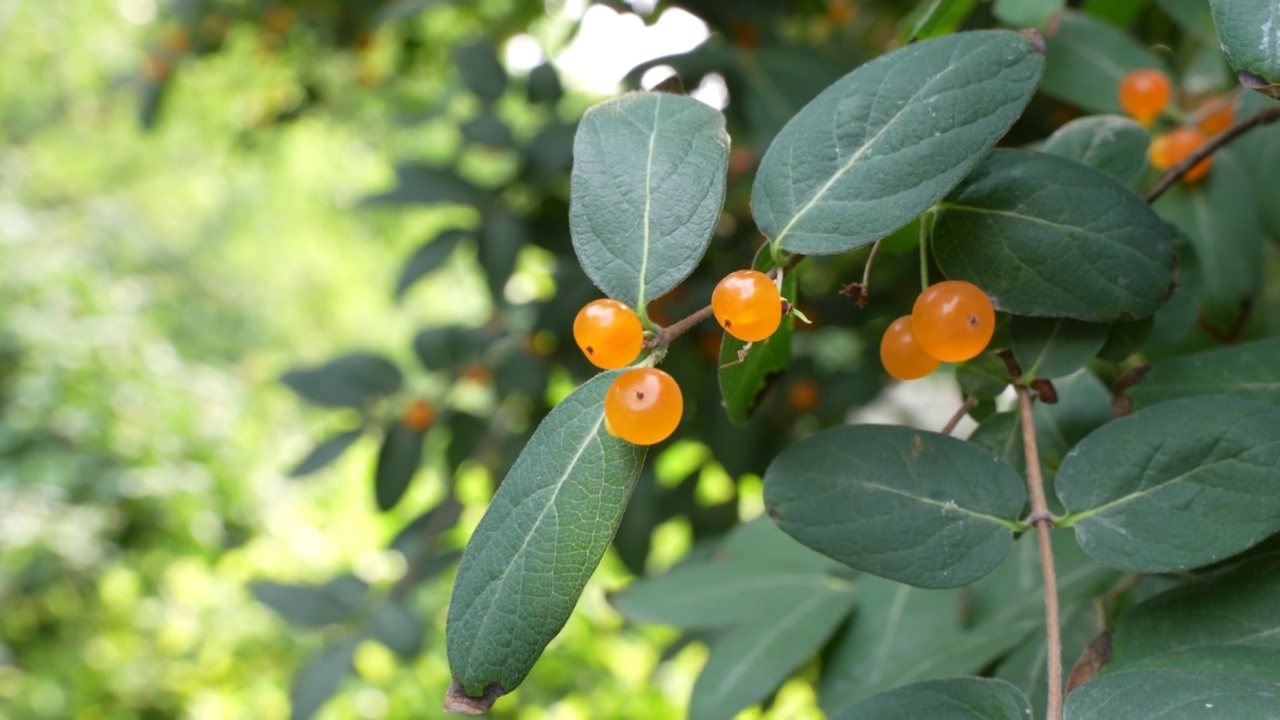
347 381
958 699
482 73
1258 151
1176 486
399 627
909 505
1248 371
452 346
883 143
1026 13
750 662
1172 693
1055 347
398 462
542 537
501 238
932 18
313 605
648 186
426 185
1043 235
428 258
319 680
1087 58
1113 144
328 450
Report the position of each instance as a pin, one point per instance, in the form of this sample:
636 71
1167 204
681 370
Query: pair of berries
951 321
644 405
1144 95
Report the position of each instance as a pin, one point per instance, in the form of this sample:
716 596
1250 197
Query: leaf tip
1034 37
456 699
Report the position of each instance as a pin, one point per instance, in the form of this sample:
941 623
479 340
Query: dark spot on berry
591 350
974 321
639 395
727 323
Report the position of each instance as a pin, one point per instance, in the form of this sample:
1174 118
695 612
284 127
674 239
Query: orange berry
747 305
643 406
953 320
1144 95
1169 149
609 333
419 416
477 373
1216 114
803 395
901 355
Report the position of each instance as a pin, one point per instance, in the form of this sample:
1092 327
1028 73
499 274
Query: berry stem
1262 117
924 249
665 335
964 408
1043 521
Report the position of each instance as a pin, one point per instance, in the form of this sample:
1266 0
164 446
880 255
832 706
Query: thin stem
866 274
1043 521
964 409
667 334
1264 116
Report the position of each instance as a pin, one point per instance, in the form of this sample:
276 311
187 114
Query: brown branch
1264 116
1043 521
964 408
667 334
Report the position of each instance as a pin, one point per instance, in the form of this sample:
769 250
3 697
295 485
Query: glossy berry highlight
609 333
643 406
1144 94
901 355
747 305
1171 148
953 320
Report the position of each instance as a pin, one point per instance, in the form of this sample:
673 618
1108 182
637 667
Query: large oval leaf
1250 35
1054 347
1112 144
957 699
647 189
1247 371
883 143
910 505
1047 236
533 551
1177 485
1212 621
1142 694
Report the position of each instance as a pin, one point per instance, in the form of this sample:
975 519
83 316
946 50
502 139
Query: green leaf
1259 152
488 129
501 238
1176 486
983 377
1026 13
957 699
1087 58
1248 371
1220 216
1249 31
742 384
648 185
1141 694
319 680
1126 338
1055 347
1043 235
347 381
758 572
313 605
542 537
428 258
398 627
910 505
1112 144
1192 16
1027 666
746 665
398 462
932 18
1210 623
482 73
426 185
886 141
1121 13
452 346
327 451
544 84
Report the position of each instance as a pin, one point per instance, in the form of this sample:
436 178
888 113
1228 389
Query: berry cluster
1145 94
644 404
951 321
